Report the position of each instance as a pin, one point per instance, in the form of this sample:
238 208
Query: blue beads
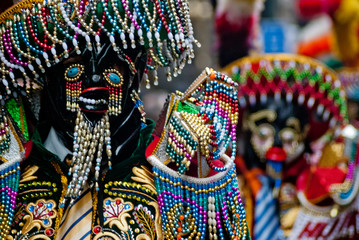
177 196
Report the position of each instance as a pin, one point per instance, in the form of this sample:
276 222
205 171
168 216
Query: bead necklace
345 193
89 142
4 132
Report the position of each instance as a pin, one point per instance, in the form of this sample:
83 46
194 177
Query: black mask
274 124
125 126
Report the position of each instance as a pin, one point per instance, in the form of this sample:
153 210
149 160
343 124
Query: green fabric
122 169
14 109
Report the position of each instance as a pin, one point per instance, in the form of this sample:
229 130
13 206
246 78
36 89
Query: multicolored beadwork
73 86
9 184
114 81
204 121
199 124
295 78
344 193
195 208
37 34
4 132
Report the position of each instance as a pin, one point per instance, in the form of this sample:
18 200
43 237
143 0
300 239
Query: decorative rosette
37 34
292 77
195 180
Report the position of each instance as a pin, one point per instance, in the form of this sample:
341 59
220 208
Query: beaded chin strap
200 124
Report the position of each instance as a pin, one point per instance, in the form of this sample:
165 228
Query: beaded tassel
73 91
9 184
115 81
73 86
139 105
88 141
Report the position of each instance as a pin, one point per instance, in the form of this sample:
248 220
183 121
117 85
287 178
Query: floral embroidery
114 208
116 211
43 211
40 215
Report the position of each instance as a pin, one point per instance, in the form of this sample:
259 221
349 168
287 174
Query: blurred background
231 29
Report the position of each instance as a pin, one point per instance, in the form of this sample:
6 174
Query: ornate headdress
36 34
294 78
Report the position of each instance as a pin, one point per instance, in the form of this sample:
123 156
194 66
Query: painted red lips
94 99
276 154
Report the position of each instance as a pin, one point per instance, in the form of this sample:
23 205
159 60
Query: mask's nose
277 141
93 76
96 78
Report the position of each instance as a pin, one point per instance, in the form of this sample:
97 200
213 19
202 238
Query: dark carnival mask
286 101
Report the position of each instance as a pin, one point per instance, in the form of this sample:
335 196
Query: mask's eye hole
113 77
74 72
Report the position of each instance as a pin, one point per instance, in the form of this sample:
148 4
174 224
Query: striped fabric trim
266 219
77 220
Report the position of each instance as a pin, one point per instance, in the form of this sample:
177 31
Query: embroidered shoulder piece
130 209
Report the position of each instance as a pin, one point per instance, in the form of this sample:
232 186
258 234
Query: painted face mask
286 102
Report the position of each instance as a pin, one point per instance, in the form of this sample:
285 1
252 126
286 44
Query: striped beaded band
36 34
293 77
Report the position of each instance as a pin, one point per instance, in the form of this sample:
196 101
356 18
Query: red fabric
315 182
310 8
152 145
28 146
297 167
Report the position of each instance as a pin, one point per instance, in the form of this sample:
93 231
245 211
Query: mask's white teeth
92 101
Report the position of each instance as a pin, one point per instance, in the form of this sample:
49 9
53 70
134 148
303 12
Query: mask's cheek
261 144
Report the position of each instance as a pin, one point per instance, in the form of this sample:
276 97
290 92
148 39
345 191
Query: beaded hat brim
294 78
